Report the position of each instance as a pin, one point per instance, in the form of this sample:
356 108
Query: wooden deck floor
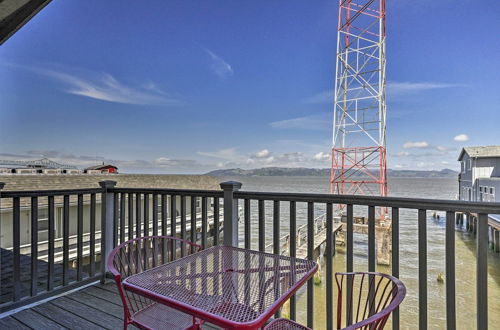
94 307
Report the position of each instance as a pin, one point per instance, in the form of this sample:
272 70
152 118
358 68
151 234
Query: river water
441 188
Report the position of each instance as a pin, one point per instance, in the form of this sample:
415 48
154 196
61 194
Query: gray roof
481 152
82 181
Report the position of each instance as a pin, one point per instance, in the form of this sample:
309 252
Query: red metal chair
137 255
369 298
284 324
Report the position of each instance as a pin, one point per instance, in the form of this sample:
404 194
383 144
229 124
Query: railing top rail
42 193
401 202
60 192
412 203
168 191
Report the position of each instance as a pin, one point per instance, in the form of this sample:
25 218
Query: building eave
16 13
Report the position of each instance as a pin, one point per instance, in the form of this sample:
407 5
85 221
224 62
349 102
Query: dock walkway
319 238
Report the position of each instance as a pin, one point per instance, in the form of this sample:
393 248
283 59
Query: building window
462 163
492 194
43 225
43 219
470 164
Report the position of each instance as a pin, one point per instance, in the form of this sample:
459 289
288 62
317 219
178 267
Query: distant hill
302 171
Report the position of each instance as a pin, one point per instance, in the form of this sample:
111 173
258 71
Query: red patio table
230 287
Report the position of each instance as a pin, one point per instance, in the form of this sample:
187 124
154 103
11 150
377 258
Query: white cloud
421 144
263 153
398 88
167 162
219 67
315 122
269 160
393 88
461 138
227 154
105 87
321 156
403 154
322 97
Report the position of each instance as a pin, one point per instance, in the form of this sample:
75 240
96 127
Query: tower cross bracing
359 163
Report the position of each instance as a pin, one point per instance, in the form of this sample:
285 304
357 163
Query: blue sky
191 86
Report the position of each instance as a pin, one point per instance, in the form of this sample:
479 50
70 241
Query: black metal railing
371 203
78 240
26 278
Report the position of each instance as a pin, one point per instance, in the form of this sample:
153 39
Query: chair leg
196 324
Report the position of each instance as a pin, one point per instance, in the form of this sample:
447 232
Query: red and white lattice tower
359 120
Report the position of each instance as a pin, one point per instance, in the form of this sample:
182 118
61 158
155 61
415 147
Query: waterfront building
479 178
479 181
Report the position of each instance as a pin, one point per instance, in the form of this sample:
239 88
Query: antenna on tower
359 164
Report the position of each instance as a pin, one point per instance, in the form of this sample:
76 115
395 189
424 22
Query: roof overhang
15 13
461 154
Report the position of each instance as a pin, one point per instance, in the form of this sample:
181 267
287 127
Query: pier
469 221
319 238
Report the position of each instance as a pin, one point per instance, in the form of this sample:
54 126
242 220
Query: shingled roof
67 181
481 152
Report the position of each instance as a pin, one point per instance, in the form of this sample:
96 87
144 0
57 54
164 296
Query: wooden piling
496 240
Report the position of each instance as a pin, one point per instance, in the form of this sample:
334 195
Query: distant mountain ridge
303 171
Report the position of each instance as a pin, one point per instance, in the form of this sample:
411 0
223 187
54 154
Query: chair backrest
368 298
142 253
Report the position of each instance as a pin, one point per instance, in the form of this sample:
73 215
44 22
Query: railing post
482 271
230 213
2 184
107 224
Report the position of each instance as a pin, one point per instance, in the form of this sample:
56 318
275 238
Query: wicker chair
369 298
140 254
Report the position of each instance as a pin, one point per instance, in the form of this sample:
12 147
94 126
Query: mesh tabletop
225 285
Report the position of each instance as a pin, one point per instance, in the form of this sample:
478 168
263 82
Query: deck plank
110 286
90 314
104 294
95 302
93 307
64 317
36 321
12 324
103 305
